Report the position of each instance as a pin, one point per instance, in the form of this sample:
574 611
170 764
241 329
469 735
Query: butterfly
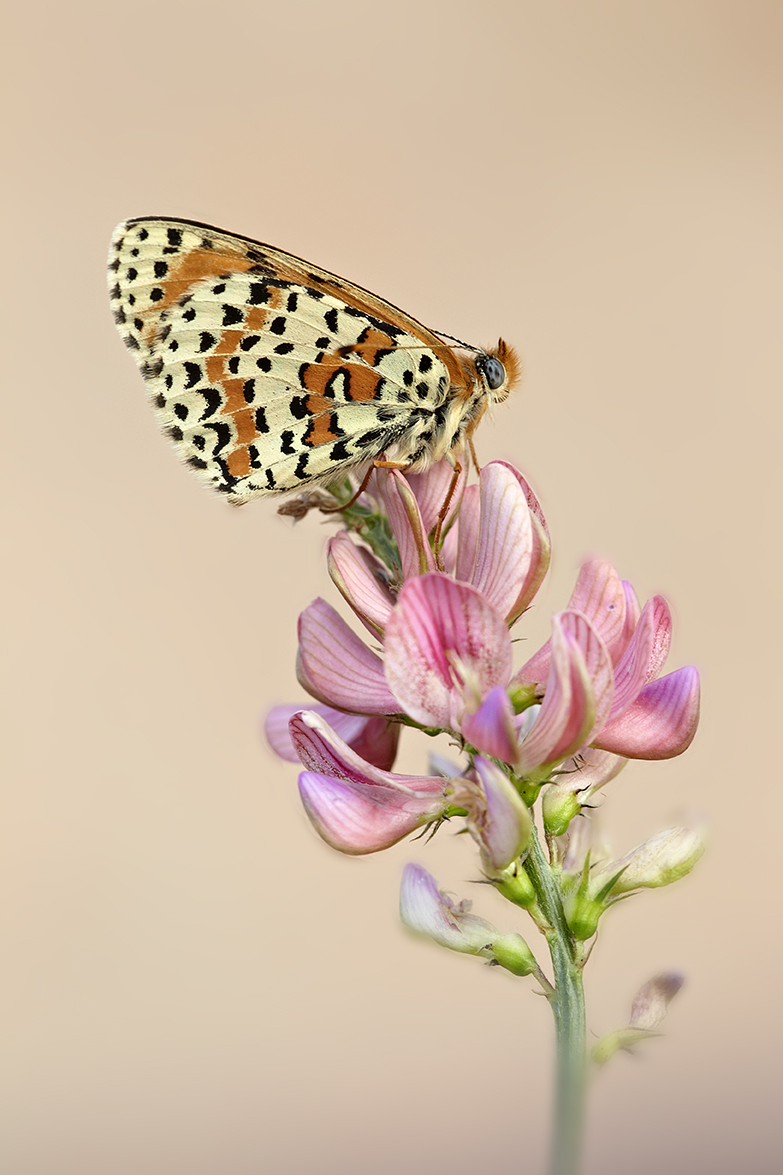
270 374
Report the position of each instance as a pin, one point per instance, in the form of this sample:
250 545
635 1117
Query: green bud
512 952
515 885
582 914
558 808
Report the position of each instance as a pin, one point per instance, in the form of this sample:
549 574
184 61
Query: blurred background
190 981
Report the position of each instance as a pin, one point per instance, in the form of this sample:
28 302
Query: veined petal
645 654
336 667
431 489
661 722
440 634
352 574
533 503
467 534
360 819
416 555
373 738
567 713
599 594
505 544
491 729
320 749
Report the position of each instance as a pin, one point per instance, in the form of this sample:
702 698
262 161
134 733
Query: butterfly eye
493 371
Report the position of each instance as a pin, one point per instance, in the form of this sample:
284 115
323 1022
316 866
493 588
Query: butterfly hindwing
266 372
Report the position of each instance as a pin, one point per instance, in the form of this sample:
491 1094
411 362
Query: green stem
568 1006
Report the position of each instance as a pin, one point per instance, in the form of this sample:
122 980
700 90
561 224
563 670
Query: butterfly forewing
266 372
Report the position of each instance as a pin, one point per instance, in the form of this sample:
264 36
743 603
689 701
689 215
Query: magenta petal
661 722
491 729
567 713
352 574
505 544
416 554
444 640
645 655
336 667
467 534
352 819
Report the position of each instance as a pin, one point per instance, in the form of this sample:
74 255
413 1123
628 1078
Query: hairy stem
568 1006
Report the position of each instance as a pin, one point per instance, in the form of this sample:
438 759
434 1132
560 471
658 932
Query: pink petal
503 829
352 574
567 713
505 544
416 555
467 534
589 769
661 722
431 490
353 820
441 633
320 749
534 506
597 663
373 739
336 667
600 595
491 729
645 655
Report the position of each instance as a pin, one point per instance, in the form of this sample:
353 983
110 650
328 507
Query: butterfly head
499 369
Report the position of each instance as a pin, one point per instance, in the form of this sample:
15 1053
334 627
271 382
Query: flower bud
558 808
515 885
512 952
648 1009
427 910
582 913
658 861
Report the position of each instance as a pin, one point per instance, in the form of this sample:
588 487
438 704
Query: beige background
191 983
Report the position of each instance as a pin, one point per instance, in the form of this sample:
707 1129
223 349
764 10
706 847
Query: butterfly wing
269 373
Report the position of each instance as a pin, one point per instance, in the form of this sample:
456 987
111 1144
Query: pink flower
355 806
499 542
651 717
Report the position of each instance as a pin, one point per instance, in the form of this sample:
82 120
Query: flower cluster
568 720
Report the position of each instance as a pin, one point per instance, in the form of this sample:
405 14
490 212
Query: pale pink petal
537 569
567 713
661 722
491 729
431 489
467 534
589 769
600 596
443 640
503 827
416 555
633 612
354 819
505 544
425 909
334 666
352 574
533 503
645 654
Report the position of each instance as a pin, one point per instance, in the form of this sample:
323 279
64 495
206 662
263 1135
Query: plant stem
568 1006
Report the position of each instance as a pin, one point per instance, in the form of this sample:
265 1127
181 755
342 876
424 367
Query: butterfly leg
364 483
445 507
